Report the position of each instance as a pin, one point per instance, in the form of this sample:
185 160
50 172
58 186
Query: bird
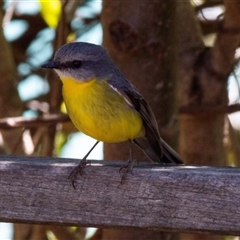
105 105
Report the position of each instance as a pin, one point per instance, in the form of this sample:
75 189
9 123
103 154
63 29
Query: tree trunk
201 133
139 36
203 74
10 106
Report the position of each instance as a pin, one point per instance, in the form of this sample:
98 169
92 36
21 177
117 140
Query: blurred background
31 31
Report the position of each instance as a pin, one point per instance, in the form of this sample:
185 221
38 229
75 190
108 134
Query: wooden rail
173 198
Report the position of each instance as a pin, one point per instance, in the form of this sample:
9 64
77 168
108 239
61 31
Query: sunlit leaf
51 11
63 108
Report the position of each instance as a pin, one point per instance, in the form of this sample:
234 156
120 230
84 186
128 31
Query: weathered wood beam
173 198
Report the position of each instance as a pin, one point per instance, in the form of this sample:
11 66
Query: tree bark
203 74
10 106
140 38
10 102
203 79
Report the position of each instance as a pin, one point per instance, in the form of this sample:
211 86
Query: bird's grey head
82 61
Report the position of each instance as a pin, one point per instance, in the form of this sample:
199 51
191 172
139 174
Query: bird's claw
126 169
78 170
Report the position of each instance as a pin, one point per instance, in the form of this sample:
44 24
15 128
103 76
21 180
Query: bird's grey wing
152 140
152 144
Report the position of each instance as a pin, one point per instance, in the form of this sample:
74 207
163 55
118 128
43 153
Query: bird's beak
50 65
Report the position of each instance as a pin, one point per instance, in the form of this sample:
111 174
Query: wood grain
172 198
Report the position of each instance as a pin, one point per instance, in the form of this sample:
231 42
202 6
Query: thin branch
209 109
9 13
19 122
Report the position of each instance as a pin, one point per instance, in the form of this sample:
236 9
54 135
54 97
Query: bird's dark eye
76 64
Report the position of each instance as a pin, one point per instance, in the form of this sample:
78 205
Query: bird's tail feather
167 155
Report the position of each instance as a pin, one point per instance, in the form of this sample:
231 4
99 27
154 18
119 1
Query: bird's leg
127 168
79 168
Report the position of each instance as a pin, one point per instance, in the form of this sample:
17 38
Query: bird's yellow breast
100 112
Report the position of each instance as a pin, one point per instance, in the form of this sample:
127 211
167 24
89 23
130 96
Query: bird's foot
78 170
124 170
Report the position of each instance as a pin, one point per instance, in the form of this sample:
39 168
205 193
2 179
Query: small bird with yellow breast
104 104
